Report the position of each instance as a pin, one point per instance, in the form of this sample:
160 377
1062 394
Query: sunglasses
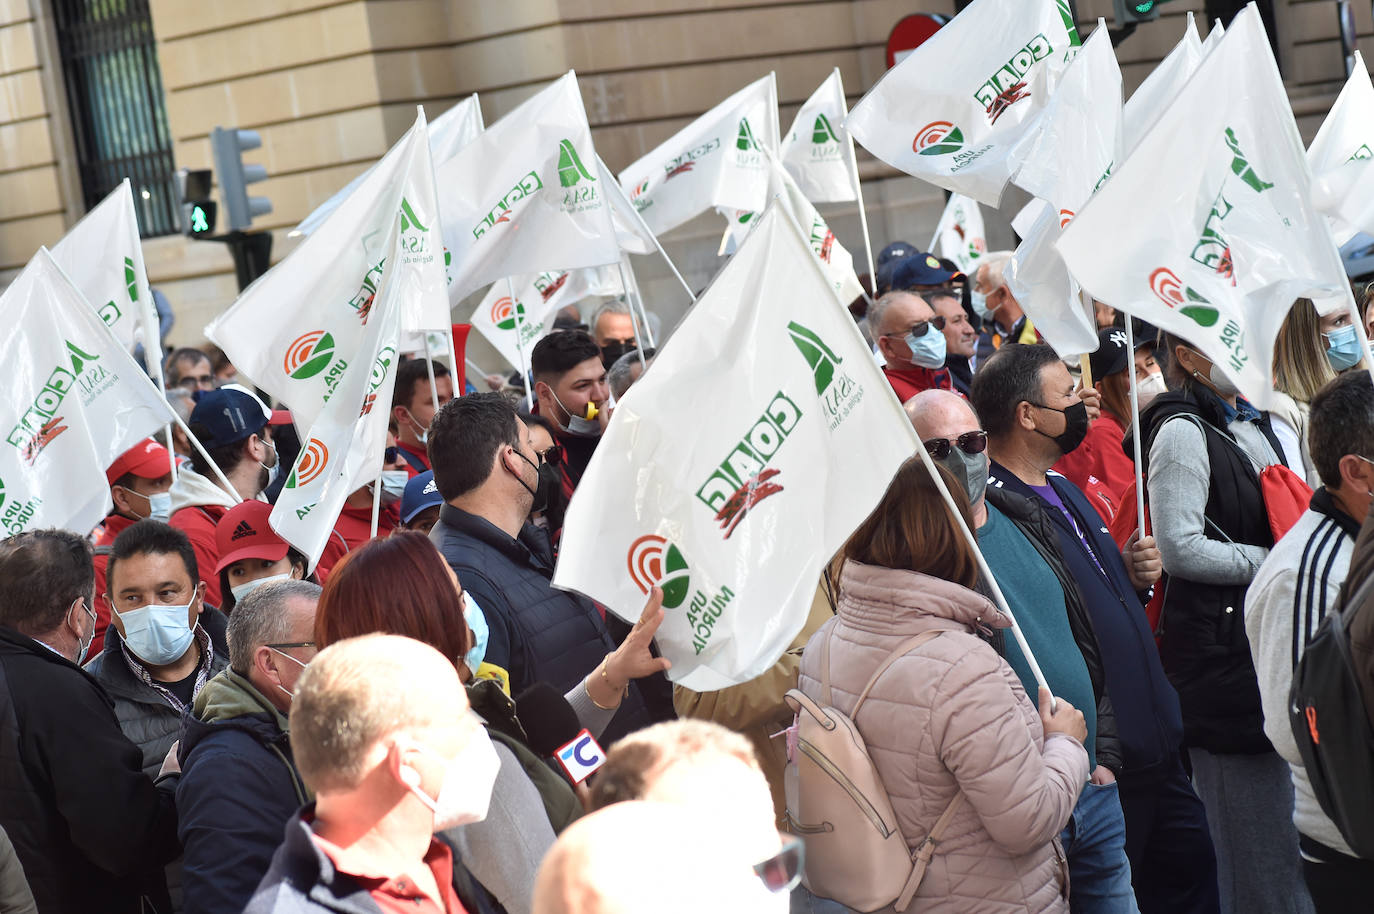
969 442
552 454
390 455
919 328
782 871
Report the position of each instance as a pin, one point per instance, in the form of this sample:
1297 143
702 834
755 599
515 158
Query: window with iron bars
118 111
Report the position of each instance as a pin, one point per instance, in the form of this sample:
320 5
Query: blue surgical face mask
928 349
980 305
1343 347
477 621
158 634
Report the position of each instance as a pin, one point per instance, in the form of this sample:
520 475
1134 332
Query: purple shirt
1047 492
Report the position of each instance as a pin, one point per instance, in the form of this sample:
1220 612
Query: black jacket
1203 643
91 829
302 879
1031 518
1148 723
239 787
537 633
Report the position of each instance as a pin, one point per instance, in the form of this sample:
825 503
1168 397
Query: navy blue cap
420 493
920 270
897 250
228 414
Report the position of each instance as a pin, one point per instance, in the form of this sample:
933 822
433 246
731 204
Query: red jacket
198 523
909 382
351 530
115 524
1100 455
417 461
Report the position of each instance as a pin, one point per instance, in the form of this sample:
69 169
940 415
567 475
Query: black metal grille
114 90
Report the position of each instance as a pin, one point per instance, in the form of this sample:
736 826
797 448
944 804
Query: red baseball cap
243 533
146 460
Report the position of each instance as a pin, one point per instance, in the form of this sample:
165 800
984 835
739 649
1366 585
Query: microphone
555 733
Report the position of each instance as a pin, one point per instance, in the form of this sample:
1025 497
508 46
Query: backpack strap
901 651
926 851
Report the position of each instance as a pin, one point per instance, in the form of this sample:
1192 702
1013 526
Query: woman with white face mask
252 554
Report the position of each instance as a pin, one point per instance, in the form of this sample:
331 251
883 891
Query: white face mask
468 780
1150 388
393 485
242 590
158 634
84 647
299 663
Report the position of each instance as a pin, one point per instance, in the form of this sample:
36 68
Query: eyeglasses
919 328
553 454
197 382
782 871
287 645
969 442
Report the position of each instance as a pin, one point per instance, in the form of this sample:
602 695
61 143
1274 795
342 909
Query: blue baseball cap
230 413
920 270
897 250
420 493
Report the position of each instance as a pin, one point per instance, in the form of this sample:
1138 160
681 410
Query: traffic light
198 210
1130 12
228 146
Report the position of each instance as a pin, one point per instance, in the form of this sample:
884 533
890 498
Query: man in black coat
239 783
91 829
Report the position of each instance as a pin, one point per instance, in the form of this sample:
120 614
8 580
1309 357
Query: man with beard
570 384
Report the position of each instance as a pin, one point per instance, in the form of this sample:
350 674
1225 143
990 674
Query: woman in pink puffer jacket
950 715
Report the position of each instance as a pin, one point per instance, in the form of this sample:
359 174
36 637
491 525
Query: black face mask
538 490
549 492
614 350
1075 426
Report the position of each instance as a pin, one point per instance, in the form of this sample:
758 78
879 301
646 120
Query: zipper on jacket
843 780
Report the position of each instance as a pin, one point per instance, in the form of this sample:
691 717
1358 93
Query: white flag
103 258
1209 44
954 111
513 326
835 260
293 330
525 195
1342 158
736 516
631 232
344 449
1072 155
76 401
1161 87
959 235
715 161
813 152
450 132
1208 230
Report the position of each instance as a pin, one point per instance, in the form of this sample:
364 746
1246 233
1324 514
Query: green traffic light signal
1143 7
199 224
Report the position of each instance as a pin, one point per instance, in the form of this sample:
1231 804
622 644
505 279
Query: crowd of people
194 718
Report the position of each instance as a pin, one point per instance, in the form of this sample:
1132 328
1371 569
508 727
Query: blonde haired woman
1309 351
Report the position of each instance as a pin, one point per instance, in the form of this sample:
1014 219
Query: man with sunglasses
910 337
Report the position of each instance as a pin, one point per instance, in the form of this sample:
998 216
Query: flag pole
625 284
376 503
429 368
672 266
519 348
998 597
195 442
152 347
858 188
1135 427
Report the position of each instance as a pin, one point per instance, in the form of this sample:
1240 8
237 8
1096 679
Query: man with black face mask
1025 398
613 329
570 384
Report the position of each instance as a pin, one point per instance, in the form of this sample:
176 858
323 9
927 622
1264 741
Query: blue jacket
233 747
302 879
537 633
1148 721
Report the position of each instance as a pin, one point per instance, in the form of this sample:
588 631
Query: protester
570 383
488 473
139 481
189 369
1003 319
961 340
549 493
381 735
1206 446
1303 365
1104 316
922 273
613 329
232 425
160 652
627 369
182 403
252 554
1101 457
413 405
1017 538
580 877
235 745
910 339
950 717
354 524
420 503
888 258
1296 586
224 370
1173 867
90 828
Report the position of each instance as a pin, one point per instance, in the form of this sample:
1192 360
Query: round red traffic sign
908 34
